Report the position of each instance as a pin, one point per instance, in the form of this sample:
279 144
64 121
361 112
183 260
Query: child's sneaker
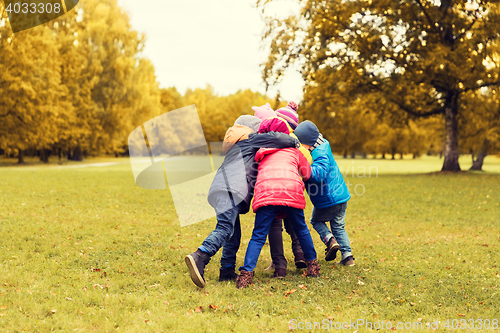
196 263
279 273
313 268
227 274
349 261
300 261
331 249
244 279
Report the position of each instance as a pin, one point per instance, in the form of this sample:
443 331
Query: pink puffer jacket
279 180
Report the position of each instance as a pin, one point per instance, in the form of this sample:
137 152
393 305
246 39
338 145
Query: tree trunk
393 153
478 162
383 156
365 155
451 149
59 154
44 156
345 153
77 154
353 155
20 158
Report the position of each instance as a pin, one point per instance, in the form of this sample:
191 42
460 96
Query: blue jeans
227 232
336 215
263 219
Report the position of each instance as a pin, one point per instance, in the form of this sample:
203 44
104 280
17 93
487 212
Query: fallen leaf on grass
301 286
383 259
4 307
461 315
213 307
199 309
289 292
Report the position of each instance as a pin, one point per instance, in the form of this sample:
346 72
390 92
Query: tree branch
408 109
431 22
487 84
468 29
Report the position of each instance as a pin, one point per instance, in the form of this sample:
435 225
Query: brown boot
244 279
313 268
300 261
279 273
331 249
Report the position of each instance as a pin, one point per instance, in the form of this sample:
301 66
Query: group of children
272 158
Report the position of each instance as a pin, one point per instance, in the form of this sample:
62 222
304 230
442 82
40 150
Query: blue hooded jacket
326 187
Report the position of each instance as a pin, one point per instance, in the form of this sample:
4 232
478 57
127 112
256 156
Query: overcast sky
193 43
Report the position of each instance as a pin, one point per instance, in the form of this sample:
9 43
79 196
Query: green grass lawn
85 249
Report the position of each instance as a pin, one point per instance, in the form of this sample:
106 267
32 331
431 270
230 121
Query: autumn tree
480 123
31 92
77 83
416 58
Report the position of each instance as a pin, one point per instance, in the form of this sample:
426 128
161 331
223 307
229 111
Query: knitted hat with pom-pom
289 113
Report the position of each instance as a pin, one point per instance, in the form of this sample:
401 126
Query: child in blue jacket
328 192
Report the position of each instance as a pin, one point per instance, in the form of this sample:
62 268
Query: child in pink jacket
279 190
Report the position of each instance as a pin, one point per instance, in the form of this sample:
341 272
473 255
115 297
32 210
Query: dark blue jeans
227 232
263 219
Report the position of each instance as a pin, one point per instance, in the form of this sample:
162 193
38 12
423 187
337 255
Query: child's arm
273 140
304 167
319 168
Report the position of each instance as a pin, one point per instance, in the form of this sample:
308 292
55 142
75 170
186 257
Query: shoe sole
332 253
300 264
193 271
345 265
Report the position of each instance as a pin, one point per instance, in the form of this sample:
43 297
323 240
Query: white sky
193 43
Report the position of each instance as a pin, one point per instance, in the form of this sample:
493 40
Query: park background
83 248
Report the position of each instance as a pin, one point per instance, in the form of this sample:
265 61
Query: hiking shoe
349 261
331 249
244 279
196 263
300 261
279 273
227 274
313 268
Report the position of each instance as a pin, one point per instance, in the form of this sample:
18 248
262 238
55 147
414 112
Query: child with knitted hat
279 189
328 193
290 116
231 193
